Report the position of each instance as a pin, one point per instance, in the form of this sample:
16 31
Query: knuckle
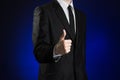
70 40
65 40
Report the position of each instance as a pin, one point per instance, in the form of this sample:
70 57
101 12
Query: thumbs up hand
63 46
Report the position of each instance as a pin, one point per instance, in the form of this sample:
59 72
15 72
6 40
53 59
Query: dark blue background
17 61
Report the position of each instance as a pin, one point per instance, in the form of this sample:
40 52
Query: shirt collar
64 4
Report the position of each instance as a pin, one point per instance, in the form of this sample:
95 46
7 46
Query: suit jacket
48 24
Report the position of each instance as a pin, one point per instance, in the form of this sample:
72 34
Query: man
59 41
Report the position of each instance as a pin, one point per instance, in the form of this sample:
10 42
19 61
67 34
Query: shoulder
81 13
44 7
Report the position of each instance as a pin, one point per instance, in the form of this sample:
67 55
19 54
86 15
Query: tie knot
69 7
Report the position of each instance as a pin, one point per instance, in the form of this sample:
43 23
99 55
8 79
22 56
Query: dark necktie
71 19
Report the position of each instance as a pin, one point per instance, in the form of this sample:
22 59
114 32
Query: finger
63 35
67 51
67 48
68 45
68 41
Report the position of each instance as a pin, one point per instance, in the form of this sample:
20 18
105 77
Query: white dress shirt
64 6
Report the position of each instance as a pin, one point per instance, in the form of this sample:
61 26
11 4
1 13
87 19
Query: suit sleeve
84 38
84 46
41 37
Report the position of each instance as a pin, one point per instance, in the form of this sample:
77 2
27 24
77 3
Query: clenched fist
63 46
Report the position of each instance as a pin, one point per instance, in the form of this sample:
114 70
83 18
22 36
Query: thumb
63 35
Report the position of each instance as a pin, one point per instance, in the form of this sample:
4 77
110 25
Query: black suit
49 22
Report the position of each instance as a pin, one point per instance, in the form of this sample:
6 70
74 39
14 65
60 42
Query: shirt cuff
56 56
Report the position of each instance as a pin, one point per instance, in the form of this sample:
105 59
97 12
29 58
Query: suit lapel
61 16
78 26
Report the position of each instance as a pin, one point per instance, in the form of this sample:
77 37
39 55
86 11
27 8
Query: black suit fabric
48 24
